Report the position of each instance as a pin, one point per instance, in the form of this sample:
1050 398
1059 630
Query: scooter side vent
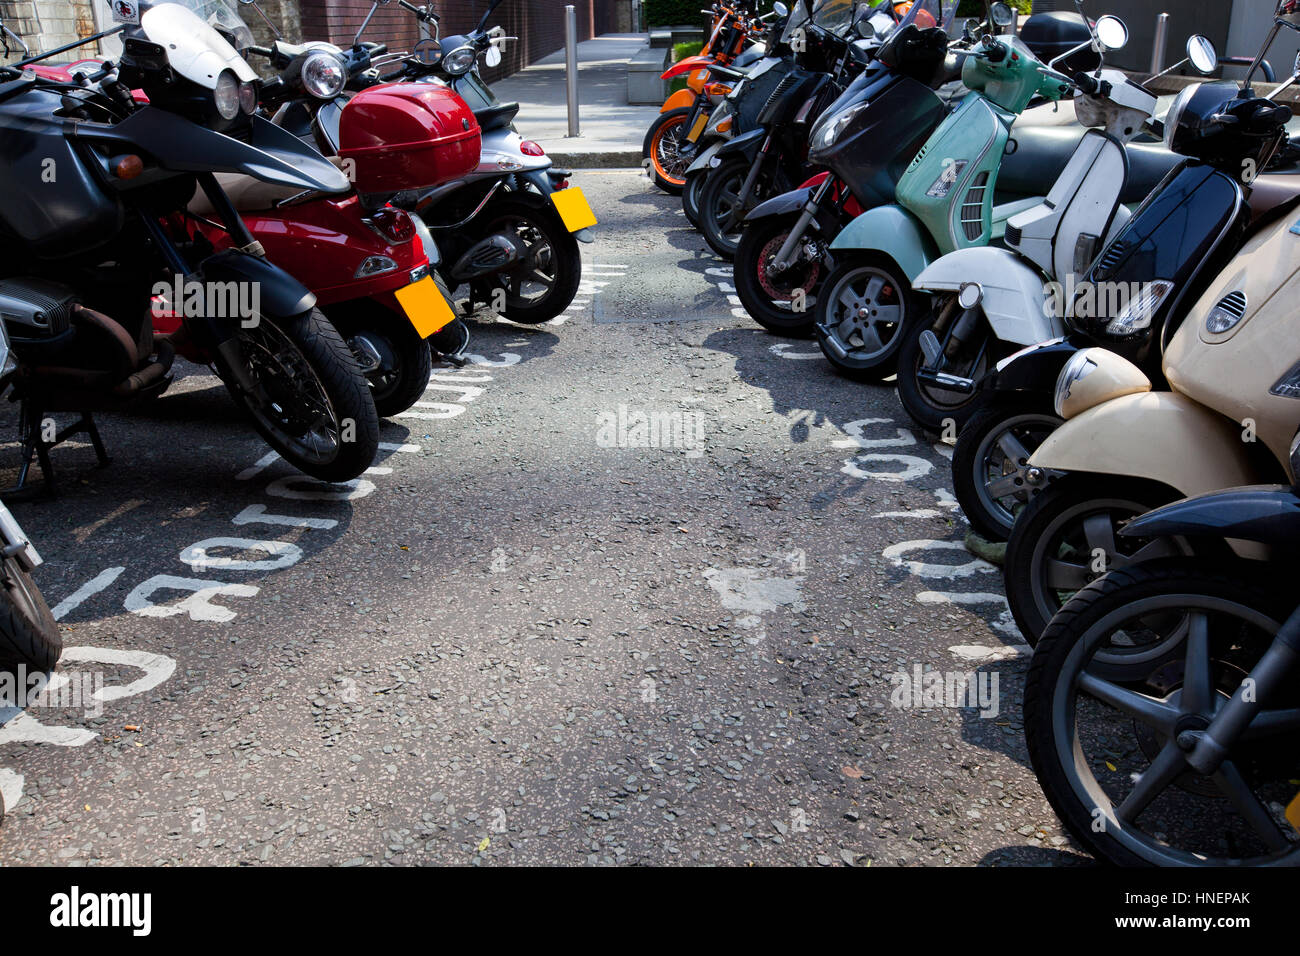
1234 303
1012 235
1109 259
972 207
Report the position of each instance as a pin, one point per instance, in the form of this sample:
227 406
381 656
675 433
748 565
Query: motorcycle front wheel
544 282
864 305
691 197
781 302
663 146
29 635
722 214
311 401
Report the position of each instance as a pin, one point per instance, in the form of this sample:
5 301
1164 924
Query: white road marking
92 587
257 514
253 470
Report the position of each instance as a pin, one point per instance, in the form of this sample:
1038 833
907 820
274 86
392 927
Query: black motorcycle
92 230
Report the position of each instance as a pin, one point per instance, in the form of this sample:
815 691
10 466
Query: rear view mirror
971 28
864 29
1111 32
428 52
493 56
780 9
1201 53
1001 15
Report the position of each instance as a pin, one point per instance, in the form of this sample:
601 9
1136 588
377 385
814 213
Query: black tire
719 202
29 635
396 361
929 406
315 396
1083 772
659 149
691 196
981 467
552 266
769 299
1050 554
871 360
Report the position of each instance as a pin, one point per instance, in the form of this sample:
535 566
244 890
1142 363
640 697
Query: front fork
743 201
957 326
785 255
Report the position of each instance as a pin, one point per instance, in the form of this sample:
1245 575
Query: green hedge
671 13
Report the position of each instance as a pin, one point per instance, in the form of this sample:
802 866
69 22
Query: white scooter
991 301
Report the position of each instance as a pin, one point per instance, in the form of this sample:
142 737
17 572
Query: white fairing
1016 301
1062 234
194 50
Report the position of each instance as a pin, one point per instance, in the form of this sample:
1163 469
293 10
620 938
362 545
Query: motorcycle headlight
459 60
323 75
226 95
1141 308
248 98
834 125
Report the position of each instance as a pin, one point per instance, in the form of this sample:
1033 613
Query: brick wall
46 24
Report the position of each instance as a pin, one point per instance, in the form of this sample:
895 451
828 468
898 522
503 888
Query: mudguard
746 145
1162 436
793 201
1035 370
1016 301
679 99
279 293
1268 514
702 161
895 232
686 65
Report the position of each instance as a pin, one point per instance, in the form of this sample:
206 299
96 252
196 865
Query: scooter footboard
1016 300
893 231
1162 436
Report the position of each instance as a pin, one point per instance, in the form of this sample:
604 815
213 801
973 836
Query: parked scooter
944 202
85 253
1130 301
989 302
734 44
1162 709
1230 415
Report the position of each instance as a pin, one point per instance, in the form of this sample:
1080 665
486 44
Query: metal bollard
571 64
1158 44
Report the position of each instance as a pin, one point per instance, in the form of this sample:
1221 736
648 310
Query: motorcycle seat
1042 152
248 193
496 117
749 56
1270 191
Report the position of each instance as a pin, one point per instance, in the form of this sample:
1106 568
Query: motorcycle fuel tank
408 136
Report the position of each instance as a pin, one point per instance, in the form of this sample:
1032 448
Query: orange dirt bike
709 76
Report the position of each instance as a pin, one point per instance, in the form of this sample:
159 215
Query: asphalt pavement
645 585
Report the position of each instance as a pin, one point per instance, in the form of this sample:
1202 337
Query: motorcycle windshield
925 13
194 48
798 17
223 16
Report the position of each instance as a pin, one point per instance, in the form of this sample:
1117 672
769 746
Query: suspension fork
792 241
743 200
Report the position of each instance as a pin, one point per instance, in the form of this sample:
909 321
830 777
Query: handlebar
261 51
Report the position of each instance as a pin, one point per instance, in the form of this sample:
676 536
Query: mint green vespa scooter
944 203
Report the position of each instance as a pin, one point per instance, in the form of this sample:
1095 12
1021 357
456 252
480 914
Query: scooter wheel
934 408
395 360
721 215
662 149
990 466
29 635
543 284
865 304
691 197
783 302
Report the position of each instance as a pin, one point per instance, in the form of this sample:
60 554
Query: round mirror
971 28
1288 11
1111 32
1201 53
780 9
428 52
864 29
493 56
1001 14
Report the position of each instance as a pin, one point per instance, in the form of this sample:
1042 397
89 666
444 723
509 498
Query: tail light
392 224
529 148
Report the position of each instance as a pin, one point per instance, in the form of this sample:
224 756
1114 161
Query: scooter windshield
188 31
797 18
927 13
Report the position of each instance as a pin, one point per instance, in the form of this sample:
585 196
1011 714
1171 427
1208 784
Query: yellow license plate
573 208
425 306
701 121
1293 811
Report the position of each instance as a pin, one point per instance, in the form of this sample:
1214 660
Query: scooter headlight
459 60
324 74
831 128
1141 308
1079 366
226 95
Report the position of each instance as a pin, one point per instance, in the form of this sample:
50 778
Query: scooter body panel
705 160
1268 514
894 231
1015 301
1162 436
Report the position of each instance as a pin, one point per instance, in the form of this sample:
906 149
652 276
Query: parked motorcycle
733 46
86 251
1230 413
1162 710
1131 300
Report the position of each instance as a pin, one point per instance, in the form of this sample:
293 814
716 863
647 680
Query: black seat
1043 151
748 57
496 117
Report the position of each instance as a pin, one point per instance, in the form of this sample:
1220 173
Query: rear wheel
780 301
663 148
29 635
392 356
311 402
543 283
864 305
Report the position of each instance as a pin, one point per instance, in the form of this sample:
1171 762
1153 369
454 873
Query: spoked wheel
991 475
544 282
780 300
864 305
29 636
392 356
1067 537
311 403
1111 754
663 148
931 405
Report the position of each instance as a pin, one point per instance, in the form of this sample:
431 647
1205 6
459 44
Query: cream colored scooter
1234 370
